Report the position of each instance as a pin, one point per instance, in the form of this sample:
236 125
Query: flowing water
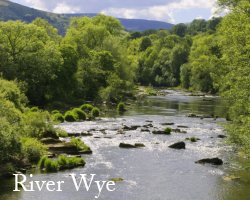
155 172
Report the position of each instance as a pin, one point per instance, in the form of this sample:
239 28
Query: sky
173 11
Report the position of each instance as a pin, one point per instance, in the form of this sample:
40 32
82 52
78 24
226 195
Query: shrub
79 144
61 163
58 117
61 133
41 163
70 116
9 141
50 165
34 109
168 131
151 91
55 111
37 124
86 108
32 149
80 114
95 112
121 107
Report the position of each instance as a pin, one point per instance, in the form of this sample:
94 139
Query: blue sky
174 11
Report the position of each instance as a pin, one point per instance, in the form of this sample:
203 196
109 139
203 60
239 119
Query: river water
155 172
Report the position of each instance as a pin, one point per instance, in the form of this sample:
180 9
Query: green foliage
61 133
10 147
86 108
95 112
61 163
30 56
159 65
121 107
55 112
37 124
79 144
50 165
41 163
234 75
58 117
33 149
70 116
150 91
80 114
168 131
10 91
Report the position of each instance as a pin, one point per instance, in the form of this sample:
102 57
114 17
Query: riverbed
154 172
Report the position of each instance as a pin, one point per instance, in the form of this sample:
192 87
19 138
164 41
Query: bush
10 91
95 112
32 149
58 117
61 163
61 133
37 124
34 109
55 111
50 165
80 114
70 116
79 144
9 141
151 91
41 163
86 108
121 107
168 131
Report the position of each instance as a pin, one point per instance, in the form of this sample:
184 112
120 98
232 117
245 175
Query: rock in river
127 146
212 161
131 146
178 145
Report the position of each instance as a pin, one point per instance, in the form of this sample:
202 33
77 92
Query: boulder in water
212 161
178 145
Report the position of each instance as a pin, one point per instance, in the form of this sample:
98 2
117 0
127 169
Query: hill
14 11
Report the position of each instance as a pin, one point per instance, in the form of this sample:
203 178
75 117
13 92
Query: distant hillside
14 11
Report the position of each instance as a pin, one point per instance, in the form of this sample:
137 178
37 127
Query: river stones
167 124
212 161
67 148
86 134
181 126
130 128
127 146
131 146
177 130
178 145
193 139
139 145
145 130
50 140
158 132
222 136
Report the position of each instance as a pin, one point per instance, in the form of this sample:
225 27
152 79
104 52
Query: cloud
38 4
64 8
160 12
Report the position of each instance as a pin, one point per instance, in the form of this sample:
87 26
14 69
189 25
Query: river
155 172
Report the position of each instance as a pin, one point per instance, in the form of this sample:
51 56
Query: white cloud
64 8
162 12
38 4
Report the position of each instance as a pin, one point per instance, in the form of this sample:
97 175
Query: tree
30 56
180 29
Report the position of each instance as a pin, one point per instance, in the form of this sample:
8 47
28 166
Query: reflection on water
154 172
